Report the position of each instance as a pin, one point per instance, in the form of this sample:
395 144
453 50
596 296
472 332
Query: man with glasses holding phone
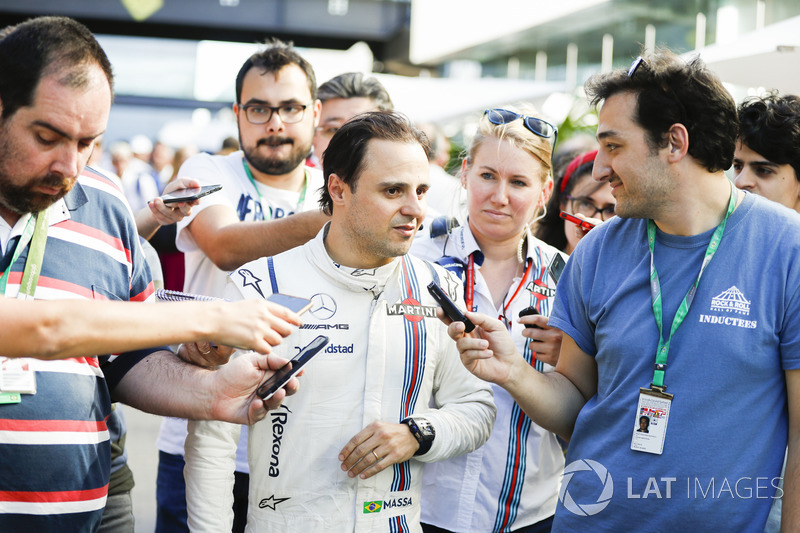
262 184
682 308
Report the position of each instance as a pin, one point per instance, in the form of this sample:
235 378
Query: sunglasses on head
540 127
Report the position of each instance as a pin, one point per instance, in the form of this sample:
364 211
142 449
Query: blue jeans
171 516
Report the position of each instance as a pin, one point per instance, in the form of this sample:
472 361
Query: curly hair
770 126
672 91
276 55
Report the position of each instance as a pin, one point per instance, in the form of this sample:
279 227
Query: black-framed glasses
540 127
583 205
261 114
638 62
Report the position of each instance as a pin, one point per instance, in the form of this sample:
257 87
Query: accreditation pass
650 426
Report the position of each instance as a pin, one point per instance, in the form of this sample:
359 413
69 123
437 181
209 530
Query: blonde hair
518 136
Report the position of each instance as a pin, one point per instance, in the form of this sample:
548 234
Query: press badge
17 375
650 426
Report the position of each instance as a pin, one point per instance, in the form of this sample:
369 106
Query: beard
276 165
22 199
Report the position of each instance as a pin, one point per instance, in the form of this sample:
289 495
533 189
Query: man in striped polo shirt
67 233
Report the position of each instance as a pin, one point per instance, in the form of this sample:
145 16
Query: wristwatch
423 431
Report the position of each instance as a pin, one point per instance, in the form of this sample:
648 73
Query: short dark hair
356 85
345 154
672 91
42 46
276 55
770 126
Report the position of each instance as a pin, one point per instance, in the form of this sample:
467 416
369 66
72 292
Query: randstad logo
584 467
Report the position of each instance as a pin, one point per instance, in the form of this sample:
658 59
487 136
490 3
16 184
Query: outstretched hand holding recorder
449 307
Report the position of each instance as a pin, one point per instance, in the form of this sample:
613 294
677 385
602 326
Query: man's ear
337 189
678 139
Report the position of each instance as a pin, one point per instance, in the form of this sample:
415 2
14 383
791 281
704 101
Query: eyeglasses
261 114
327 131
537 126
584 206
638 62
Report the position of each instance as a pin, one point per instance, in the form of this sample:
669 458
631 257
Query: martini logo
411 310
373 507
540 290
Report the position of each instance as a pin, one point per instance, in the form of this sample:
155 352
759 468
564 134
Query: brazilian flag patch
373 507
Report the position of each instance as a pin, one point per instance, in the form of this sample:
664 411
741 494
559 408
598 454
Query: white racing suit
388 358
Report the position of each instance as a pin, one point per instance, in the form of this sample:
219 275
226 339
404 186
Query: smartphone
556 267
449 307
295 303
282 376
530 311
575 220
190 194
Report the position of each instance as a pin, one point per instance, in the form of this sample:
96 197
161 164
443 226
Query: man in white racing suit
389 386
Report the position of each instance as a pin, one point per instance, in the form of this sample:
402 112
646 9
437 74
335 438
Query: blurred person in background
767 157
767 162
511 482
138 182
445 193
578 194
343 97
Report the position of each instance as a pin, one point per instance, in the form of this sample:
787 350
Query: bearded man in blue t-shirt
684 308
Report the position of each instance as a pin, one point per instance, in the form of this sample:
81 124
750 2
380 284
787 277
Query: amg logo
426 311
279 419
325 326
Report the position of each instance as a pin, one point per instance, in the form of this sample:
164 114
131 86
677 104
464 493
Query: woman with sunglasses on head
577 194
511 483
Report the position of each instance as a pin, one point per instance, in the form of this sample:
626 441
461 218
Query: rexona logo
411 310
584 467
278 417
376 506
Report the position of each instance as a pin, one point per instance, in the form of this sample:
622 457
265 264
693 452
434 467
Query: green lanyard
261 200
36 234
683 310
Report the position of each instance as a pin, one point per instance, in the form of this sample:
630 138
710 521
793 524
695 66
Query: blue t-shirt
727 427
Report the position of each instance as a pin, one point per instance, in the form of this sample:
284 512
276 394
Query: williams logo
540 290
411 310
731 300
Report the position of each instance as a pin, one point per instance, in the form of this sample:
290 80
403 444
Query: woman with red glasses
511 483
575 193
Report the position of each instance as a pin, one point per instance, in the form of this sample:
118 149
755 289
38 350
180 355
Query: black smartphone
190 194
556 267
295 303
530 311
282 376
575 220
449 307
